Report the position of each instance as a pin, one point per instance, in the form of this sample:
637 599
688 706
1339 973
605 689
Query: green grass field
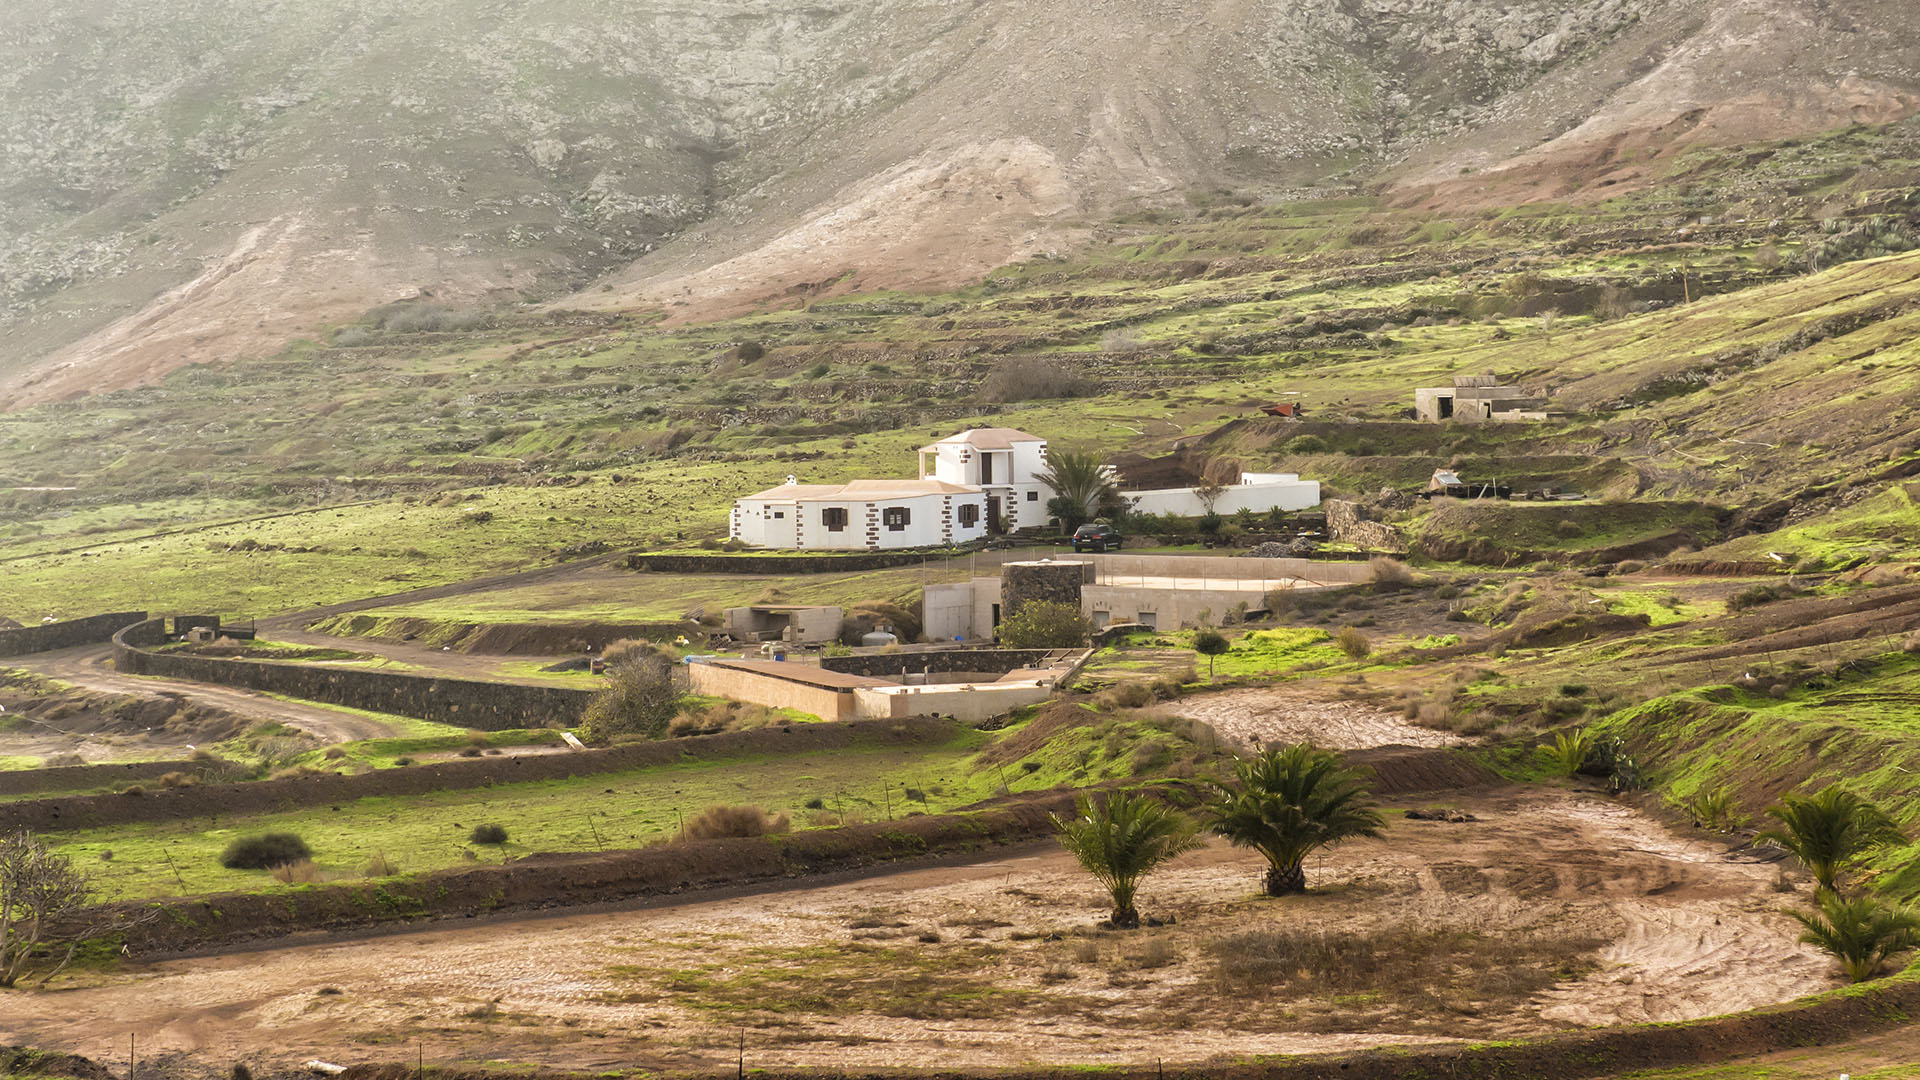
429 832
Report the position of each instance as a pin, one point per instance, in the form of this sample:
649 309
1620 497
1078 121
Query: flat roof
987 438
806 674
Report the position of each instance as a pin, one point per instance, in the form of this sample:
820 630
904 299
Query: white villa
967 482
971 485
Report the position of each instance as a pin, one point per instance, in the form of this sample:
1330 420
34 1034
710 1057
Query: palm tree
1862 933
1120 841
1082 488
1829 830
1286 803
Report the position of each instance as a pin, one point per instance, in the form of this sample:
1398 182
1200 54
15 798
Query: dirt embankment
89 667
42 719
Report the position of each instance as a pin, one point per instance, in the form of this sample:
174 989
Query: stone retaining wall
677 563
65 635
486 706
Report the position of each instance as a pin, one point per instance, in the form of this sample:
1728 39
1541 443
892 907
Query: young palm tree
1829 830
1082 489
1862 933
1288 802
1120 841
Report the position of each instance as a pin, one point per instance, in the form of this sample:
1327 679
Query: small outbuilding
1477 398
796 624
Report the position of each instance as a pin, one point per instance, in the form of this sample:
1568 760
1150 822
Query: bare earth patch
1257 716
1554 910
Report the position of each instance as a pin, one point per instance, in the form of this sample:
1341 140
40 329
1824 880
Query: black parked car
1096 538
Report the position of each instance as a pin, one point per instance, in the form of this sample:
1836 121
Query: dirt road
87 667
1260 715
998 963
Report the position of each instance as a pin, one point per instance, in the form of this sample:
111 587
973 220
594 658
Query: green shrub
264 852
488 834
1045 624
1861 933
1569 751
1754 596
1714 809
1211 644
640 697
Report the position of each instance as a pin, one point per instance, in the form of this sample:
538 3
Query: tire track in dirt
1258 716
87 667
1688 932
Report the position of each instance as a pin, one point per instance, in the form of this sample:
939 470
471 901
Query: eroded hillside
198 182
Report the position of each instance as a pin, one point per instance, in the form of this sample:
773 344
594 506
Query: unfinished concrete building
1477 398
798 624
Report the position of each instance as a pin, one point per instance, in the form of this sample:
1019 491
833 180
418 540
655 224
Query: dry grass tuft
722 822
302 872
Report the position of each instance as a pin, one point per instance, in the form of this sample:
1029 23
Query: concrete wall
893 665
946 612
47 637
803 625
969 705
487 706
1225 568
770 690
1259 497
1165 609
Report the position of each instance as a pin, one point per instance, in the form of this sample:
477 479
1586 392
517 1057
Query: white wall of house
811 524
1259 492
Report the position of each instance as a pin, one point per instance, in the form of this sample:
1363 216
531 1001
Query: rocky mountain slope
200 180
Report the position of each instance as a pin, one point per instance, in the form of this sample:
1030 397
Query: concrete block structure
1168 591
798 624
1258 492
1477 398
1008 680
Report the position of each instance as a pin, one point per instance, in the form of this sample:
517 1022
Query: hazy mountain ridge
221 175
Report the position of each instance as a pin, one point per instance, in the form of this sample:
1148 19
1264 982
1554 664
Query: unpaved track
87 667
1260 715
1693 932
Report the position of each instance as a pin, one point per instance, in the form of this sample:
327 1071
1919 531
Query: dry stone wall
65 635
780 564
486 706
1347 522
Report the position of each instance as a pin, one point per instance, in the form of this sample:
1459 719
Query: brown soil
46 720
999 963
1257 716
88 667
